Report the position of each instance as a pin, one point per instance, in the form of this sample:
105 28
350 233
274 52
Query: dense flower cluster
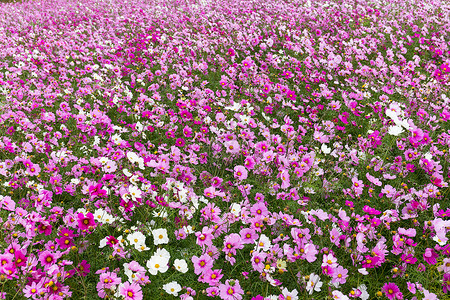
231 150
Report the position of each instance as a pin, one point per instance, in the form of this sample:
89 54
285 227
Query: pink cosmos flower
232 146
285 180
240 173
258 259
373 179
309 252
110 167
65 242
371 211
231 243
107 280
33 290
409 259
210 192
212 277
389 191
343 117
249 163
291 95
7 203
355 293
248 236
375 138
34 170
10 130
231 290
205 237
329 260
83 268
45 228
212 291
131 291
216 181
370 262
202 263
445 68
357 186
20 258
446 283
417 135
187 131
259 209
427 295
340 275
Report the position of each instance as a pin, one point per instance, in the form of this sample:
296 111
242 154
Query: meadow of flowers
243 149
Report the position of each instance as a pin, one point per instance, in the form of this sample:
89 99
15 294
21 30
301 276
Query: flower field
277 149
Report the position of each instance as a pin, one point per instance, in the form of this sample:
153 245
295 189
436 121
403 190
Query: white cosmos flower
116 139
245 119
157 264
132 157
364 294
135 192
163 253
363 271
392 114
292 295
126 172
136 239
405 124
181 265
160 214
235 107
339 296
314 284
235 209
263 243
172 288
325 149
160 236
139 126
102 216
395 130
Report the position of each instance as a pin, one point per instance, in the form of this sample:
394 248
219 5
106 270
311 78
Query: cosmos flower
157 264
160 236
131 291
231 290
85 221
314 284
391 291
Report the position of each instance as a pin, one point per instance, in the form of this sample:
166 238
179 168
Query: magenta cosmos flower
446 283
47 258
84 222
430 256
392 291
